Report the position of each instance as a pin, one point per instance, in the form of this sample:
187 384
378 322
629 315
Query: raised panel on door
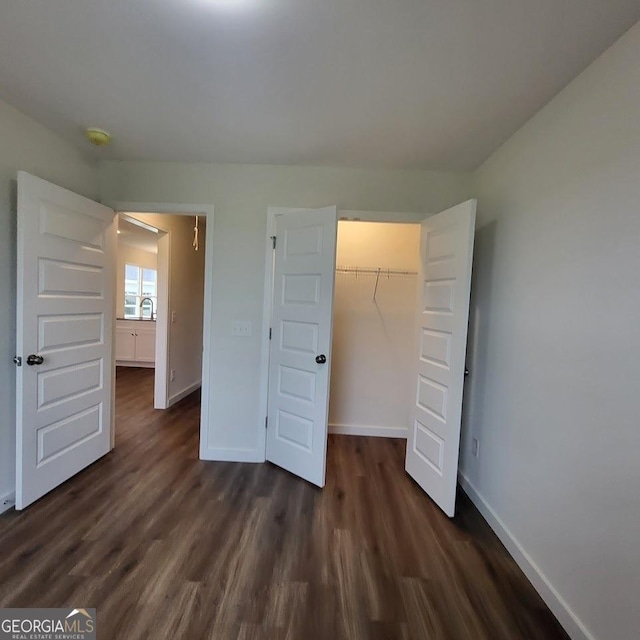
304 268
441 335
65 301
67 331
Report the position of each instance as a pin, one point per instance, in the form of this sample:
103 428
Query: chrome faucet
142 302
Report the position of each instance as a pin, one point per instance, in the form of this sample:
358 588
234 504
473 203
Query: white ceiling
433 84
135 236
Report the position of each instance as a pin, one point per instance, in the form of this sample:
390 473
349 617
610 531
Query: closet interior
373 328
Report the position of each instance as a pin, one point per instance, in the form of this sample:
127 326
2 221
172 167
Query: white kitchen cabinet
125 342
146 342
135 343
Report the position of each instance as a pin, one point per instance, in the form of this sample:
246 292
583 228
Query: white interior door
65 303
300 360
444 285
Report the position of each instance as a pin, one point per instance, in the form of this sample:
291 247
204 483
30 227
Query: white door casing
444 285
302 320
65 302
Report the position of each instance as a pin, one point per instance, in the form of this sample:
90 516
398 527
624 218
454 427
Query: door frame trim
206 210
343 214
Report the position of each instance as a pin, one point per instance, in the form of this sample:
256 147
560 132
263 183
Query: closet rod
375 271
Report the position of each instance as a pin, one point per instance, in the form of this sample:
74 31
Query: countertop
136 319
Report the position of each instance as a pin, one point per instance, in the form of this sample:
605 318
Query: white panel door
444 285
65 303
299 367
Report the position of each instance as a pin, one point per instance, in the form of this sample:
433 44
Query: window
140 283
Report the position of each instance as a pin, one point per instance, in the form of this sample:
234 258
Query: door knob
321 359
34 359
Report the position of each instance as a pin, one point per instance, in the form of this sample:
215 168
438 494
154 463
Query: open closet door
300 359
65 307
444 285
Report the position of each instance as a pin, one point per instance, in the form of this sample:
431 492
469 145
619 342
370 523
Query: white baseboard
232 455
135 364
7 501
176 397
567 618
363 430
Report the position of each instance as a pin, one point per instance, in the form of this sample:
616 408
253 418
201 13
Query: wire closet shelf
375 271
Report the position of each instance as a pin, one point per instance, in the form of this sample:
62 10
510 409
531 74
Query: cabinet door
125 343
146 344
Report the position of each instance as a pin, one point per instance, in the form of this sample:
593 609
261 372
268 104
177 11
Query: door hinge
273 241
270 332
266 422
17 361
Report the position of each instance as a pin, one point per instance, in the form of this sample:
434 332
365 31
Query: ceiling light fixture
98 137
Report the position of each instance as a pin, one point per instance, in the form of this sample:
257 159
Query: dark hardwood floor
166 546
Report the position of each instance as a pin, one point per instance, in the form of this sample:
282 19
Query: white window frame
139 295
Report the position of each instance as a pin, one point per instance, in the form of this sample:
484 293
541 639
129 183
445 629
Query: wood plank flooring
167 546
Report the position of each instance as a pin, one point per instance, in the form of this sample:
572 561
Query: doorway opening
159 309
373 328
66 307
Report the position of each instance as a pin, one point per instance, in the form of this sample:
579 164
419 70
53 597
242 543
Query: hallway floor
169 547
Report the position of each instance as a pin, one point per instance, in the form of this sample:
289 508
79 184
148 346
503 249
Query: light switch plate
242 328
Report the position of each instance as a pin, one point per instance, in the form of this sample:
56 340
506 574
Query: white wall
241 195
25 145
371 364
554 392
130 255
186 297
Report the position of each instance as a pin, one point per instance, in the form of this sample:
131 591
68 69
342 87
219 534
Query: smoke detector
98 137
